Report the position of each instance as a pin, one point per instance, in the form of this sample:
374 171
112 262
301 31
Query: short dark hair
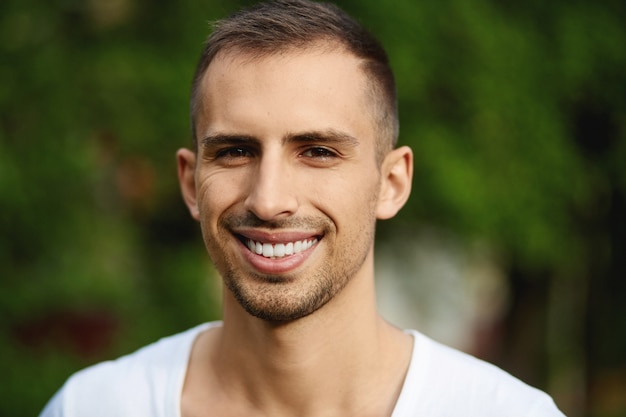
276 26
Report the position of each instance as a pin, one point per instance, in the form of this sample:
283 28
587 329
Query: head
283 26
294 159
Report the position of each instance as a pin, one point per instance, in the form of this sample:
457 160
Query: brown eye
237 152
319 152
233 156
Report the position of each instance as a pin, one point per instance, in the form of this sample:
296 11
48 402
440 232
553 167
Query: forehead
315 88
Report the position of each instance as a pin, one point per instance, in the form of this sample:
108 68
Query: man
294 159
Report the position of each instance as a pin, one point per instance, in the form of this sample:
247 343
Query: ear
186 163
396 178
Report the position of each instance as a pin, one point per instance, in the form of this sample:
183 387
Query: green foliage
489 97
96 257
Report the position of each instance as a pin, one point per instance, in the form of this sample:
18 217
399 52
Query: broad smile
279 250
277 253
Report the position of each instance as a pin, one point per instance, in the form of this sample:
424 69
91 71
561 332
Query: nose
271 194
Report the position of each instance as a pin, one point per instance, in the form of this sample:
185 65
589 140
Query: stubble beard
287 298
274 299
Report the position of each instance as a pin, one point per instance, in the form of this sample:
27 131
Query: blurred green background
515 110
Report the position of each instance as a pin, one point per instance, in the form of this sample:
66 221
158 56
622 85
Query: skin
287 153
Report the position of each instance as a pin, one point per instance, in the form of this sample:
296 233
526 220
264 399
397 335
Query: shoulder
446 382
143 383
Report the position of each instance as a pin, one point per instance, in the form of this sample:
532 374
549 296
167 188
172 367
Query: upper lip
274 237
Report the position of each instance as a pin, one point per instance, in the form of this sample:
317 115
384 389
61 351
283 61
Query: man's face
286 179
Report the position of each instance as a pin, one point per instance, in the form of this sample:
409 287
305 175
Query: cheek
222 185
349 200
215 196
216 193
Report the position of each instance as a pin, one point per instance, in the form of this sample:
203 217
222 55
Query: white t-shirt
441 382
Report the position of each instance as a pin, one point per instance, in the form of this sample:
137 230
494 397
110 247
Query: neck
344 353
336 330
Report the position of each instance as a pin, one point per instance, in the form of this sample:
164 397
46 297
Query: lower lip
276 265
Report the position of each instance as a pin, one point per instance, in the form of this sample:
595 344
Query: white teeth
279 250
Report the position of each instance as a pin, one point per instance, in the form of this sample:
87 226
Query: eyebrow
227 139
328 136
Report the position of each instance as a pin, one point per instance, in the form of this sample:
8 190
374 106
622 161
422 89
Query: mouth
278 250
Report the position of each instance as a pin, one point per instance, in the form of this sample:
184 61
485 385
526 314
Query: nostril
271 205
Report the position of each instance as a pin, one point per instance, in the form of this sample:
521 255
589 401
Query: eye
233 153
233 156
319 152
